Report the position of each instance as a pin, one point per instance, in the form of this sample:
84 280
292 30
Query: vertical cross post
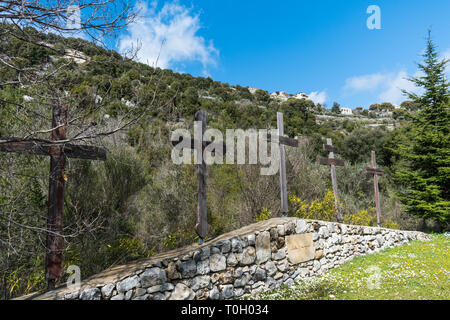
283 185
332 162
54 254
376 172
202 221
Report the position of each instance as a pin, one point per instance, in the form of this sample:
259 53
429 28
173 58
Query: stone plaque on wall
300 247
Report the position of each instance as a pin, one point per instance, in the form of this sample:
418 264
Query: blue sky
323 48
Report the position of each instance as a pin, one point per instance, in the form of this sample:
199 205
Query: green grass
417 270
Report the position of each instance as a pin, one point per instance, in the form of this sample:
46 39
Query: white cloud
365 82
318 97
167 36
387 87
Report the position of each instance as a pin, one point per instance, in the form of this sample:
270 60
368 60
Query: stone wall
258 257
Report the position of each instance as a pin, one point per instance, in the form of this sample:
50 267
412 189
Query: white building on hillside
346 111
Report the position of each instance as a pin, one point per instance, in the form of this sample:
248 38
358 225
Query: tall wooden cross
332 162
58 153
376 172
199 145
282 141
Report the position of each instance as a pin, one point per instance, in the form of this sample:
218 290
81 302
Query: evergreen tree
426 176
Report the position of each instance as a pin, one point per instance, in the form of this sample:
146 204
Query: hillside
138 203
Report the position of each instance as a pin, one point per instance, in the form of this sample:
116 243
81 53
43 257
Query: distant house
346 111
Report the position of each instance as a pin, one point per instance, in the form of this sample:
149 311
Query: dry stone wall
258 257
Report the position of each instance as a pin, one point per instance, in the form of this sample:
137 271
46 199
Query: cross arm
330 148
379 172
284 140
46 148
330 161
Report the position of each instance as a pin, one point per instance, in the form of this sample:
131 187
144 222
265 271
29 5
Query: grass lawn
417 270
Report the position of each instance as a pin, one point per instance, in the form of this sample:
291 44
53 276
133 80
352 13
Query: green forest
138 203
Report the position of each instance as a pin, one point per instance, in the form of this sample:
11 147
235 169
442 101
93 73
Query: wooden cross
201 227
332 162
58 153
376 172
282 141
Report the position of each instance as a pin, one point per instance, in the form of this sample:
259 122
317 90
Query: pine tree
426 176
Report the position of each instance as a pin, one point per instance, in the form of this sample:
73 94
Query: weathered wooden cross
376 172
58 153
282 141
197 143
332 162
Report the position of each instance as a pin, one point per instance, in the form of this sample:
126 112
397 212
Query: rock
226 277
238 292
226 246
217 262
236 245
227 291
280 230
242 282
91 294
289 282
318 254
167 287
153 276
316 265
231 260
248 256
203 267
214 294
263 249
154 289
380 240
160 296
260 274
182 292
273 234
143 297
172 272
323 232
279 255
73 295
290 227
200 282
188 268
202 254
270 268
120 296
107 290
140 292
128 295
301 226
127 284
283 266
251 239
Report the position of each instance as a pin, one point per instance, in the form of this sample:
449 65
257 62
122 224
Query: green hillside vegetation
138 202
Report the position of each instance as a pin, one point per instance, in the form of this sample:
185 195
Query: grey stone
239 292
120 296
172 272
270 268
154 289
226 246
301 226
279 255
160 296
289 282
153 276
127 284
203 267
128 295
200 282
263 250
227 291
108 289
167 287
182 292
140 292
281 230
188 268
260 274
236 245
242 281
73 295
214 294
217 262
251 239
143 297
231 260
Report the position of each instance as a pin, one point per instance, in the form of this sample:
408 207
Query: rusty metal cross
375 172
332 162
58 153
